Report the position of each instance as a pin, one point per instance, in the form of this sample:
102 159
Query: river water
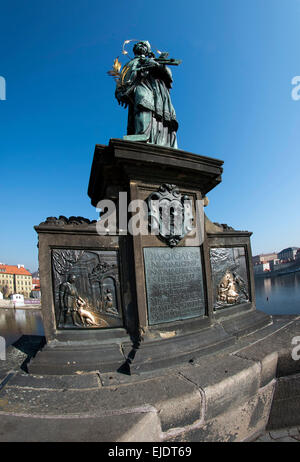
276 295
15 323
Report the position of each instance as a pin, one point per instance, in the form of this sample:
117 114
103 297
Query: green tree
5 291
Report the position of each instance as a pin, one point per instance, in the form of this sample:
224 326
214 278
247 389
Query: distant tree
5 291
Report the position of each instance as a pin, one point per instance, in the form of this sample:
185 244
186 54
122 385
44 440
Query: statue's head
227 275
142 48
72 278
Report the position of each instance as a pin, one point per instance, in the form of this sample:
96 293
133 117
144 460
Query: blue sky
232 95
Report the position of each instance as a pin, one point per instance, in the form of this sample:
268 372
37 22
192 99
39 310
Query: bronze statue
143 85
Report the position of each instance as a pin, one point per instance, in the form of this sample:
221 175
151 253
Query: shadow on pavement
30 345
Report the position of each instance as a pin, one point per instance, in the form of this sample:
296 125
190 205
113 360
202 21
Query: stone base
226 396
86 353
175 298
285 409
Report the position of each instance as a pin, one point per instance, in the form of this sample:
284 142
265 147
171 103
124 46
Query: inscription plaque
174 283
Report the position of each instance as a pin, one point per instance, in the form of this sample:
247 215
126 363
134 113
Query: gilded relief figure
86 316
73 308
227 290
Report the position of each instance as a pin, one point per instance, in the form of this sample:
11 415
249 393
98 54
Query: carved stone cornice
62 221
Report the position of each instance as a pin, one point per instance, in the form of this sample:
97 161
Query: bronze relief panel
229 276
86 288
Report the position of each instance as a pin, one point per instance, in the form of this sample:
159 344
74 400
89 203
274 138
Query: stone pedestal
148 300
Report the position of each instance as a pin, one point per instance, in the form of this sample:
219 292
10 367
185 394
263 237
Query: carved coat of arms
170 214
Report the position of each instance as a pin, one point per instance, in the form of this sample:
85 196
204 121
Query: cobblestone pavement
283 435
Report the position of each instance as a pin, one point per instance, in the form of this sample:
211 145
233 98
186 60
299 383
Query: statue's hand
122 102
148 64
122 97
118 97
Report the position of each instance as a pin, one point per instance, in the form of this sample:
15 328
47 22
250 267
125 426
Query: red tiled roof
11 269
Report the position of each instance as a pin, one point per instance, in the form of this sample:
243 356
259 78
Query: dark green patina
144 86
